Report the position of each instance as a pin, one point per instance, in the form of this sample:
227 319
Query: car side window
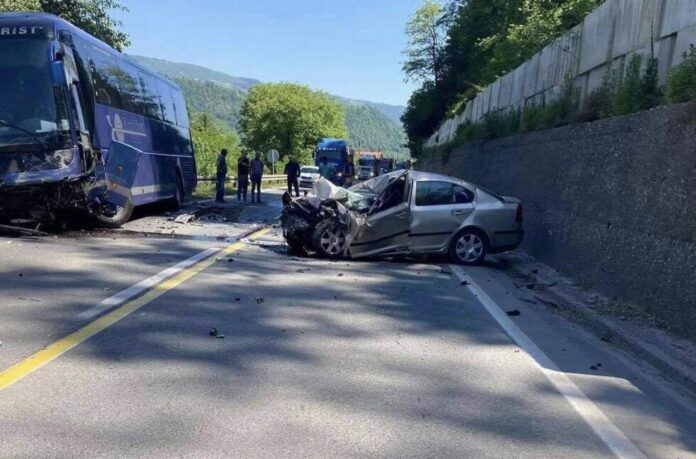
441 194
462 195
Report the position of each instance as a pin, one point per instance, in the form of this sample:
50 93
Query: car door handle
459 213
401 215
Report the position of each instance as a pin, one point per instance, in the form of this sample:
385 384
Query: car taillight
519 216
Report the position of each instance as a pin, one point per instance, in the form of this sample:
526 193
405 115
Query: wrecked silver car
403 213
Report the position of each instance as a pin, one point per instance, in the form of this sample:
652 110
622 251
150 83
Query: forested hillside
371 130
176 70
224 103
371 126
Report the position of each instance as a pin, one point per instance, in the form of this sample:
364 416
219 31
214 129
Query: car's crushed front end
324 222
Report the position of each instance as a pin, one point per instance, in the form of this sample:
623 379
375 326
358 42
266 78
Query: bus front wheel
116 216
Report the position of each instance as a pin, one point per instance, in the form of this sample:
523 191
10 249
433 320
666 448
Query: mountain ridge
181 70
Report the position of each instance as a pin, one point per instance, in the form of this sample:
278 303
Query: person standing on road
292 170
256 177
221 177
242 177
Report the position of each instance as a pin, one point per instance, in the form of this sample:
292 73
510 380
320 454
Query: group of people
251 171
247 170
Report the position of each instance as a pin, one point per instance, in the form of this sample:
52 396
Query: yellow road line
22 369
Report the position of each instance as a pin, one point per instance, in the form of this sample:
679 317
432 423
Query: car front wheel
330 239
469 247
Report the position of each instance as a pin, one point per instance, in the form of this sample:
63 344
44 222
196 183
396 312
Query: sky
350 48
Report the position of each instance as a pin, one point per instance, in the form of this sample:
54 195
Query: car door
438 209
387 230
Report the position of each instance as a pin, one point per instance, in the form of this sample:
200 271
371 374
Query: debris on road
548 302
534 285
527 300
465 283
213 331
259 300
11 230
213 214
514 313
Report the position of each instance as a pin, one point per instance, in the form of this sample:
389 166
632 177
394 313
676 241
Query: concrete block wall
602 205
605 39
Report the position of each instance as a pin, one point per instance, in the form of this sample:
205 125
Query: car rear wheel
469 247
330 239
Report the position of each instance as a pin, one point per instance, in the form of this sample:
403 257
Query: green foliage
219 101
222 95
93 16
19 5
600 103
628 97
681 84
636 91
290 118
426 34
211 135
485 39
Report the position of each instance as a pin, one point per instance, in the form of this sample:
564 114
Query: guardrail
265 180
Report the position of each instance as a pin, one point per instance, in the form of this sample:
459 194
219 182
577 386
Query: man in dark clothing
221 177
256 177
292 170
242 177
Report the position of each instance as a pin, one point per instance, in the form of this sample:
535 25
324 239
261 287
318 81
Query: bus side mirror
58 73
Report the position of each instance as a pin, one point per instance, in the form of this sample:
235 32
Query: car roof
420 175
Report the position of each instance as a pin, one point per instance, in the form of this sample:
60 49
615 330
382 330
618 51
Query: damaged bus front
74 127
47 164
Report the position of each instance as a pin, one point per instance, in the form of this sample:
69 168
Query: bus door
121 166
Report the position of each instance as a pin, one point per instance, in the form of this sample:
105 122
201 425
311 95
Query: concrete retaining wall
611 203
607 36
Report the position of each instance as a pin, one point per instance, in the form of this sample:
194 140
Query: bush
681 83
598 104
629 96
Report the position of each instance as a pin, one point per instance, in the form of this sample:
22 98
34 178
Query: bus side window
106 74
131 93
180 107
151 102
168 112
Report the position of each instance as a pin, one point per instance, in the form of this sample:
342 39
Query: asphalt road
318 359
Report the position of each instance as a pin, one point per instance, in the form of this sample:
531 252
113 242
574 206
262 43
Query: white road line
619 444
141 287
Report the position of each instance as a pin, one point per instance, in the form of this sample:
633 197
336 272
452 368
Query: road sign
273 156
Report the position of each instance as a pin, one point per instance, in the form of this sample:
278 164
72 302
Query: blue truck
339 157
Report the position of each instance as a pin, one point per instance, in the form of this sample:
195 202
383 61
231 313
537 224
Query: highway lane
377 359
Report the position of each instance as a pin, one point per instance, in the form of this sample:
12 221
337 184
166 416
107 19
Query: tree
426 31
211 135
93 16
289 118
19 5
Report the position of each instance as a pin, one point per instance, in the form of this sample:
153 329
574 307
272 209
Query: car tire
119 218
469 247
330 239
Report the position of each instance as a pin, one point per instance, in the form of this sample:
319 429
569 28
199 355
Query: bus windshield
33 114
332 156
